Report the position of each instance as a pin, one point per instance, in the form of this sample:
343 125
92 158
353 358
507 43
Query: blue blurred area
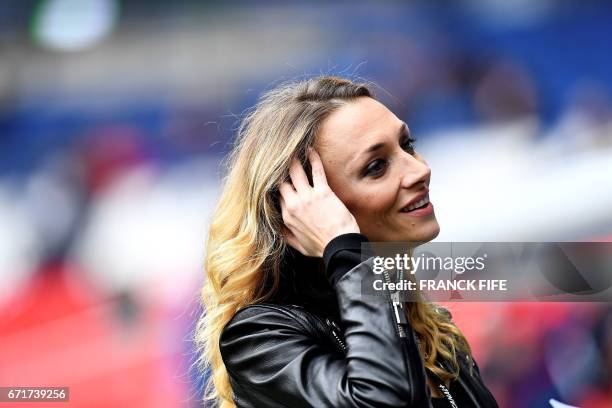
114 117
432 57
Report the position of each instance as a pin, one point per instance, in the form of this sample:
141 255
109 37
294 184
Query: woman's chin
425 233
435 232
422 233
435 229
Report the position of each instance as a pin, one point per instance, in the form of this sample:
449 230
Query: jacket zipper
398 309
465 387
401 320
333 326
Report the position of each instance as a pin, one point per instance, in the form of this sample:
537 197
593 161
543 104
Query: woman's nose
415 172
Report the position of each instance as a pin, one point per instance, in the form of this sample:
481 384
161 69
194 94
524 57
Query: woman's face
372 167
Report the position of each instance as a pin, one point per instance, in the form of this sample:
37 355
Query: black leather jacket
320 343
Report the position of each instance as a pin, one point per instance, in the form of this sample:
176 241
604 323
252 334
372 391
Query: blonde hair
244 244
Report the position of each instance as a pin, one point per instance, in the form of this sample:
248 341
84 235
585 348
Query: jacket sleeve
273 359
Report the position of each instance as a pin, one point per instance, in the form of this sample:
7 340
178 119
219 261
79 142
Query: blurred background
114 116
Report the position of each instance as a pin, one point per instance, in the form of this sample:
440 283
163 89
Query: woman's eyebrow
403 129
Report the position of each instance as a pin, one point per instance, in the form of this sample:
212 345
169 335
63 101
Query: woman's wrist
344 252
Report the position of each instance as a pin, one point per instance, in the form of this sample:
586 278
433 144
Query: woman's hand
313 215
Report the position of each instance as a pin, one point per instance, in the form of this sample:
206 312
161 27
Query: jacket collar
303 282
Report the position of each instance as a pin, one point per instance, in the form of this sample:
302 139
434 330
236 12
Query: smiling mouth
415 206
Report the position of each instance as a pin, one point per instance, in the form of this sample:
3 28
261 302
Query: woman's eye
408 144
375 168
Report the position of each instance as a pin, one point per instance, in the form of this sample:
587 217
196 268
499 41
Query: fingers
292 240
318 172
288 197
286 191
298 176
289 236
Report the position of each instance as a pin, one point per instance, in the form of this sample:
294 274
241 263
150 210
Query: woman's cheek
370 206
376 207
372 202
383 200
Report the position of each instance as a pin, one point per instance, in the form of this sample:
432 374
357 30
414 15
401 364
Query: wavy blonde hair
245 244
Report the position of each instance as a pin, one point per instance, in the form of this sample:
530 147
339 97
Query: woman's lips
420 212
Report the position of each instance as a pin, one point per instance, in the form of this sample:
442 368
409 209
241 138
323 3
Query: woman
286 325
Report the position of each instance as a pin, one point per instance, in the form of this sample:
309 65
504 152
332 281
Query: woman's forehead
355 126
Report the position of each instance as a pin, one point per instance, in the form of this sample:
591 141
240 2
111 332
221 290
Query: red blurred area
59 331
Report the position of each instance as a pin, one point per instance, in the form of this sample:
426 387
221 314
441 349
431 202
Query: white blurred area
18 250
73 25
143 233
502 183
146 232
